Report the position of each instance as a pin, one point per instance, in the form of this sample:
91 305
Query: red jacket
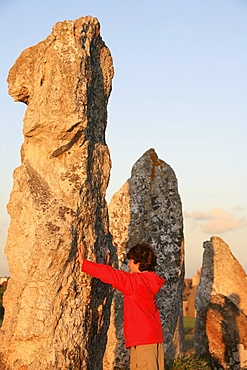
141 316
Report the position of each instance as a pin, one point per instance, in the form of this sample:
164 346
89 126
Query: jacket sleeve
119 279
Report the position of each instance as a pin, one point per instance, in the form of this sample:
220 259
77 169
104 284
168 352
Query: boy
142 326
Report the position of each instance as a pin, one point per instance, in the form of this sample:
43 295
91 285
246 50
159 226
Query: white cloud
216 221
238 208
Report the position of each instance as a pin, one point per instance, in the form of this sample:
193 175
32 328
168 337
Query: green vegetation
187 362
189 325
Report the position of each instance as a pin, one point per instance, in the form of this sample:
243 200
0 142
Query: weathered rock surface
56 317
148 208
221 305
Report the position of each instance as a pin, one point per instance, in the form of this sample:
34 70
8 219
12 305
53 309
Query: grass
187 362
189 325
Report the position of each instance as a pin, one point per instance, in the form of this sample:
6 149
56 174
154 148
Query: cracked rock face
221 306
55 317
148 208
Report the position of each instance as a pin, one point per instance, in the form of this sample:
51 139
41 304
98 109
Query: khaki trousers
147 357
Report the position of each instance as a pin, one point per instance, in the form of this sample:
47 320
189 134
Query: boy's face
134 267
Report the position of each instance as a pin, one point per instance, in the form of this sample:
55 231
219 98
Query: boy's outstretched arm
117 278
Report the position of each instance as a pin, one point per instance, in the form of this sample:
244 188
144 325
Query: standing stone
148 208
221 306
55 316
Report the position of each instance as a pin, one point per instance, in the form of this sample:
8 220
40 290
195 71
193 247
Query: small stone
221 306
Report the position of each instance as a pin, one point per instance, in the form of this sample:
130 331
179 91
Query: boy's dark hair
143 253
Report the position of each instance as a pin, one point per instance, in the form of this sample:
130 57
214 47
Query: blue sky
180 87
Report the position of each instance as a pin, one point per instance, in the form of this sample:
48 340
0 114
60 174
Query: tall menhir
56 318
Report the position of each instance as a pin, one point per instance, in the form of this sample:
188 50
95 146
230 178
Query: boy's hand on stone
82 252
107 257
